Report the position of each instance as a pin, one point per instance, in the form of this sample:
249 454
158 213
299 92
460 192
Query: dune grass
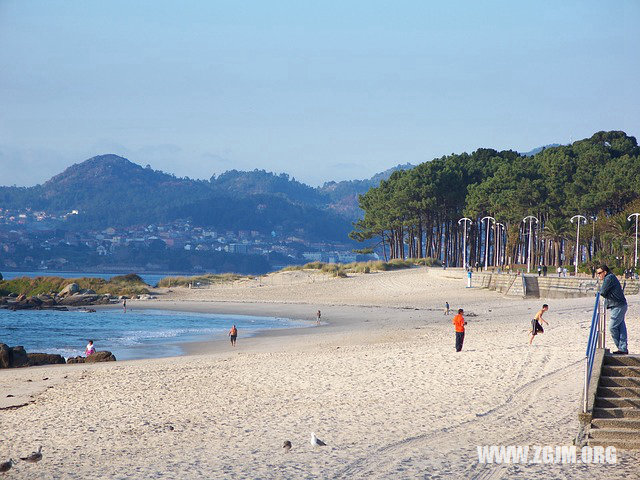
130 284
342 269
207 279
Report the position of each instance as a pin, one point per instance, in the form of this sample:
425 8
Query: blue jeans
618 328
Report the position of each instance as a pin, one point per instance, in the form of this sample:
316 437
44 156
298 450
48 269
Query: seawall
533 286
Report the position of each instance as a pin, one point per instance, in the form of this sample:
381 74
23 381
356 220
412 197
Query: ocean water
148 278
135 334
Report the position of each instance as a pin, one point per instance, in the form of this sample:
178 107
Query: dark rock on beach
36 359
13 357
75 359
5 362
104 356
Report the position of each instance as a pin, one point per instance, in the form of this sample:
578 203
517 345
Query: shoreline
382 385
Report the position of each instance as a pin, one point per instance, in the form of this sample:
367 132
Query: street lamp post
629 218
593 236
531 218
464 220
499 243
486 248
583 219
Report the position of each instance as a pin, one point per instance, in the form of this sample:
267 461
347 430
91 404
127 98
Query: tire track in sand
451 452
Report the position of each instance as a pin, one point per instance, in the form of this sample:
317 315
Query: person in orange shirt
459 323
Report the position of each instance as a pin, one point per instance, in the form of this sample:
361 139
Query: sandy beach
379 381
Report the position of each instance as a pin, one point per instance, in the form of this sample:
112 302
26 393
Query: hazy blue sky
320 90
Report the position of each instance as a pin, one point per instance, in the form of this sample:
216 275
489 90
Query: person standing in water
124 305
233 334
318 315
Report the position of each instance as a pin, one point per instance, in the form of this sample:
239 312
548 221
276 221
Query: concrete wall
506 283
546 287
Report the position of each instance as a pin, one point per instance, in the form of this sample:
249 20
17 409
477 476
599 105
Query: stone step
616 423
622 360
619 434
620 445
626 412
613 402
620 371
618 392
620 382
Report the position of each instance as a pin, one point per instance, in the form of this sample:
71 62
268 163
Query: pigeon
316 442
6 466
286 446
35 457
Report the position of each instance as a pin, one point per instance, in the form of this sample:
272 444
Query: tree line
417 213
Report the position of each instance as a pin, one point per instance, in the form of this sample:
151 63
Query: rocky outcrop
103 356
97 357
13 357
69 290
81 300
75 359
46 300
41 302
5 361
36 359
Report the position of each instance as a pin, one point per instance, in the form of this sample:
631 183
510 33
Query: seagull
316 442
6 466
35 457
286 446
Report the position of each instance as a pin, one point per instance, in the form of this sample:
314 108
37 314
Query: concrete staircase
616 413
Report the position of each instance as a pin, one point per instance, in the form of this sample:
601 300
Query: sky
329 90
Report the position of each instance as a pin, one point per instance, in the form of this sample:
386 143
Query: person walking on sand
318 315
616 303
459 323
536 327
233 334
446 308
90 350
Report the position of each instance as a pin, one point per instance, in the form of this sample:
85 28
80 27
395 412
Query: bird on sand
316 442
6 466
286 446
35 457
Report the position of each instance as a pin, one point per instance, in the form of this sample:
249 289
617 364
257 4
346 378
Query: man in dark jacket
617 305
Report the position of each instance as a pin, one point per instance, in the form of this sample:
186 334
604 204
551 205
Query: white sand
380 383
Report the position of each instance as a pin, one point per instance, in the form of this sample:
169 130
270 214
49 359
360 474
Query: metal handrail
596 340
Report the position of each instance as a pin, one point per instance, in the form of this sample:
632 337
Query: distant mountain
108 190
261 182
344 195
531 153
